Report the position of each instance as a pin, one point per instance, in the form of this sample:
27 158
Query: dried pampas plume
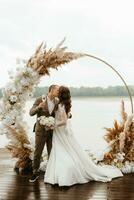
19 134
20 150
120 139
43 60
114 132
123 113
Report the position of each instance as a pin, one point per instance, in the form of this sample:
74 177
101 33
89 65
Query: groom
43 107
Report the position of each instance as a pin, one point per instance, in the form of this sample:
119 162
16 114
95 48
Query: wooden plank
17 187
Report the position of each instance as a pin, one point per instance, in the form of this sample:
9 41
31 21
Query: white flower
2 128
13 90
115 160
47 121
24 82
29 70
11 74
7 88
8 120
13 113
1 108
7 106
127 168
132 167
13 98
120 156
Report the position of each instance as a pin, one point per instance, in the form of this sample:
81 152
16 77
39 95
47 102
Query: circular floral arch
21 87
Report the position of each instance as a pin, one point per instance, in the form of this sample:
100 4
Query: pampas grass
19 150
121 139
109 157
43 60
114 132
20 134
123 113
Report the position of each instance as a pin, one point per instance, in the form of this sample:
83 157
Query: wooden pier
17 187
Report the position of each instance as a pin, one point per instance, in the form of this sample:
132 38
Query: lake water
90 116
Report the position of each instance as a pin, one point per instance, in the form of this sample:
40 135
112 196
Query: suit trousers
41 138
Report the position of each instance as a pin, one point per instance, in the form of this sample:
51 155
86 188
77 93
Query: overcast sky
104 28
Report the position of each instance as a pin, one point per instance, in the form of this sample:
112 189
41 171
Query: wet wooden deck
17 187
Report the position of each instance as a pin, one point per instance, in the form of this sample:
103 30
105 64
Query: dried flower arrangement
17 92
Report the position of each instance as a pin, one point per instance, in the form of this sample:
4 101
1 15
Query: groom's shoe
34 178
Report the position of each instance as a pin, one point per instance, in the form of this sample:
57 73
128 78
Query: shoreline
112 96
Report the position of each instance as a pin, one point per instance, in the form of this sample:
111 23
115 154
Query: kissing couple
68 163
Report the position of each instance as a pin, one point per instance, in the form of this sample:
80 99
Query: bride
68 163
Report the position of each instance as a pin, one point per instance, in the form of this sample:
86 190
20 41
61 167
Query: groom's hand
41 105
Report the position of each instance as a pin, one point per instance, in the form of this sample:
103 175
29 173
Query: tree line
89 91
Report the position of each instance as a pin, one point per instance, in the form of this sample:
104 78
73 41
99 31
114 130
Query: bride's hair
65 98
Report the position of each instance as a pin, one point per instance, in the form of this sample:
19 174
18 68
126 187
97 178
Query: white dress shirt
50 104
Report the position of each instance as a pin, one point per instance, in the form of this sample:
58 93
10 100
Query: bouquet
48 122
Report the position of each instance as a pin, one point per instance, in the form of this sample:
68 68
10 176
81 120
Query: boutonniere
43 98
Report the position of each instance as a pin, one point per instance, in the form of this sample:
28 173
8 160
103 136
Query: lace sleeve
62 117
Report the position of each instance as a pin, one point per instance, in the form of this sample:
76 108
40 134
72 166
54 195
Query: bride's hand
54 126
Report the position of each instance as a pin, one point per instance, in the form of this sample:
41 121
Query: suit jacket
35 110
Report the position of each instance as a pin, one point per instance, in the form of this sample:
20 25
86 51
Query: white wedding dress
68 163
